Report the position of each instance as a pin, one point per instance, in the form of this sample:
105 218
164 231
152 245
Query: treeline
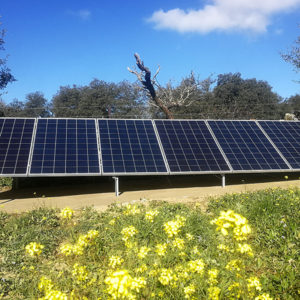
228 96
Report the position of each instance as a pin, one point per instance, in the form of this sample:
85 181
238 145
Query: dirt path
101 195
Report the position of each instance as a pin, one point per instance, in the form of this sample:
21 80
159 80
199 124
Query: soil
78 192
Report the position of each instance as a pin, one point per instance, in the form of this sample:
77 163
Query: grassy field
245 246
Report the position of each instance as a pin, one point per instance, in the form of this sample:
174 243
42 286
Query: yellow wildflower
195 251
151 214
229 221
196 266
131 210
189 236
213 292
128 232
166 276
66 249
141 269
79 272
143 252
161 249
34 249
121 285
212 276
112 222
235 290
245 248
172 228
45 284
178 243
67 213
234 265
263 296
223 247
115 261
182 272
253 283
189 291
82 242
54 294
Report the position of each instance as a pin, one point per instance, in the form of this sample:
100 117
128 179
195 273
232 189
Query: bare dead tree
144 76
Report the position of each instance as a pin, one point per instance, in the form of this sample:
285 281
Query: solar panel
246 146
15 142
190 147
130 147
65 147
286 137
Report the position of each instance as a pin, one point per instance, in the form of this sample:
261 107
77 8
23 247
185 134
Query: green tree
195 98
14 109
98 99
239 98
293 55
292 105
5 73
130 102
65 103
36 105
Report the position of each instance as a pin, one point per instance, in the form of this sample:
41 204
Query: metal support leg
223 180
116 185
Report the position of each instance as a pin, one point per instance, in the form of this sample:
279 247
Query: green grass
5 182
273 216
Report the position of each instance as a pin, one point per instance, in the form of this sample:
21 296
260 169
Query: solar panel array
15 143
286 137
63 147
246 146
130 146
190 147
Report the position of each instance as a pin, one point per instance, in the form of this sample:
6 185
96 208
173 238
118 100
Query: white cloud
83 14
223 15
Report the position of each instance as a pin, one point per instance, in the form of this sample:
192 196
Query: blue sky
58 43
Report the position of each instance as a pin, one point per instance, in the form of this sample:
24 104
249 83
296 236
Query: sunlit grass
245 246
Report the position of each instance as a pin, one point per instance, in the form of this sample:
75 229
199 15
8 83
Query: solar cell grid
190 147
65 146
246 146
286 137
15 142
130 146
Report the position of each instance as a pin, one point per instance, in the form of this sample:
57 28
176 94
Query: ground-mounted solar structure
15 144
286 137
130 147
65 146
190 147
32 147
246 147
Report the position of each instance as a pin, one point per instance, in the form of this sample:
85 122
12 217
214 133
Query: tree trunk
147 84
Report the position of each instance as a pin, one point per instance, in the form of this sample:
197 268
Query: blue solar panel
65 146
190 147
130 147
286 137
15 142
246 146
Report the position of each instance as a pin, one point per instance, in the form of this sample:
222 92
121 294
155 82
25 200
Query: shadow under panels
246 146
286 137
15 142
65 147
190 147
